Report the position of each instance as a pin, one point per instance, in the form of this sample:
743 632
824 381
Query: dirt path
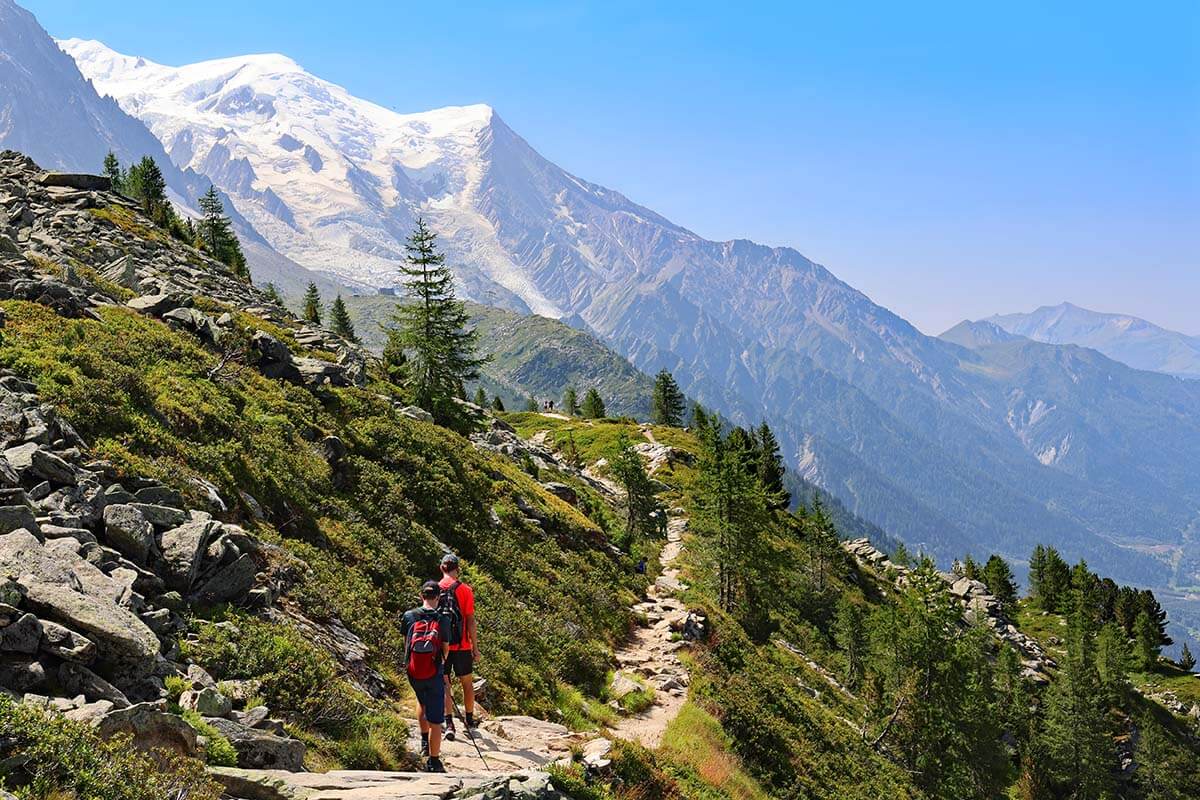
651 654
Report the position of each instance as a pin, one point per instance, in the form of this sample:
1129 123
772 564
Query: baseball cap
430 588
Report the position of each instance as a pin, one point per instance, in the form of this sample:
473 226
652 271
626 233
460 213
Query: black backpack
448 609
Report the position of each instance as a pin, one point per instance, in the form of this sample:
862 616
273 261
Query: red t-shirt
466 604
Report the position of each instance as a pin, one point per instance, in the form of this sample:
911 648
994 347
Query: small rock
127 529
207 702
22 635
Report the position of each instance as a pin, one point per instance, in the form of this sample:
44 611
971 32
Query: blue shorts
431 694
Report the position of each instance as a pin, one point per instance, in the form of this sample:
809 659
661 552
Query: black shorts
460 663
431 694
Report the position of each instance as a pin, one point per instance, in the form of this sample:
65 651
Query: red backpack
424 647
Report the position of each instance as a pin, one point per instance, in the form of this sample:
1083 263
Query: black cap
430 589
450 560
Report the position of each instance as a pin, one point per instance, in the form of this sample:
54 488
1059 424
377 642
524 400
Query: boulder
129 532
622 685
159 495
76 679
15 517
182 550
64 643
22 635
161 516
417 413
195 322
207 702
157 304
257 749
73 180
71 591
89 713
562 492
151 728
229 583
21 673
31 458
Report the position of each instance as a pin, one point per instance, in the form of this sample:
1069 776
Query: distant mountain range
1124 338
963 444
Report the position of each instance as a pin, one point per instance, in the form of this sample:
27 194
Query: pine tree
593 406
497 403
1112 662
339 319
998 578
1145 638
112 171
971 569
312 304
145 182
1187 661
668 403
699 416
1050 579
272 294
1158 616
570 402
901 556
432 327
481 397
627 467
216 232
531 404
1165 770
771 469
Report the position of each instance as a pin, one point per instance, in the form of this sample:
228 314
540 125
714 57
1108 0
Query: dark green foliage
593 405
312 304
1049 578
570 402
113 171
667 403
272 294
497 404
1187 661
530 404
1145 641
145 182
431 326
1165 771
52 757
998 578
771 469
630 471
481 399
216 232
339 320
1112 662
851 636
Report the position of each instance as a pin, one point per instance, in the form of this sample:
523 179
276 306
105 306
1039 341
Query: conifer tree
432 326
570 402
339 319
1145 639
970 568
1187 661
481 397
851 638
771 469
699 416
998 578
1158 617
312 304
627 467
216 232
1165 770
146 183
1112 662
497 403
272 294
531 404
901 556
593 405
668 403
112 171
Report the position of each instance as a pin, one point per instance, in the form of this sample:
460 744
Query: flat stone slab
251 784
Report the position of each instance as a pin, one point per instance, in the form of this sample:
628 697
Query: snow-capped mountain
1128 339
960 446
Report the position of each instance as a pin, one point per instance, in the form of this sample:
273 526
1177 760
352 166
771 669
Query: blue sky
949 159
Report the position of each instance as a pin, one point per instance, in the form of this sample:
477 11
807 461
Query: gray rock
193 321
20 674
15 517
182 549
89 713
159 495
257 749
200 677
127 529
253 717
66 589
22 635
116 494
30 458
161 516
230 583
71 180
81 535
151 728
64 643
156 304
77 679
207 702
417 413
562 492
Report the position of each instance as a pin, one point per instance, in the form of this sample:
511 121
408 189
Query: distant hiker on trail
426 645
457 601
640 569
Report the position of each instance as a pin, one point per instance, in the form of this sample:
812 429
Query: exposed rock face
259 749
362 785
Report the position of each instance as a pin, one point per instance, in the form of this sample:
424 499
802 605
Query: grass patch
127 220
581 713
696 740
218 751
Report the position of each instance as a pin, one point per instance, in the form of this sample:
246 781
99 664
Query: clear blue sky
950 159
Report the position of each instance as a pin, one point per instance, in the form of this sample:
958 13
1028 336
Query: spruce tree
570 402
312 304
112 171
971 569
850 635
1112 662
998 578
1187 661
593 405
339 319
146 183
272 294
668 403
481 397
497 403
1145 640
627 467
1165 769
771 469
216 232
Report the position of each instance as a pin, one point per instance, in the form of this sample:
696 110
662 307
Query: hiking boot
424 747
435 765
472 723
448 732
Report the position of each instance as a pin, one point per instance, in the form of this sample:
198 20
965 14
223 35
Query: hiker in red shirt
457 597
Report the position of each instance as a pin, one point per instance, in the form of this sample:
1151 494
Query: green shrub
218 751
176 685
63 759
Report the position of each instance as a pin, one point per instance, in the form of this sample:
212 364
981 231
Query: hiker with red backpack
426 644
457 604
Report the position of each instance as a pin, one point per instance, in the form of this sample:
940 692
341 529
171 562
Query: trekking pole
472 736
